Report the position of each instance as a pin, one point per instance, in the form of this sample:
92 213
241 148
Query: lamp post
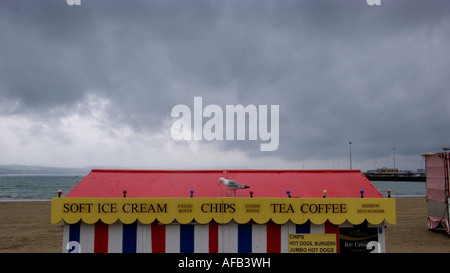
393 149
350 143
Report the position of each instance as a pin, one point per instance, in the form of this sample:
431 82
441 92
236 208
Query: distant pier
372 177
393 174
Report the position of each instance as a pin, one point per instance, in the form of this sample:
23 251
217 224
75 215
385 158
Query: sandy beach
25 227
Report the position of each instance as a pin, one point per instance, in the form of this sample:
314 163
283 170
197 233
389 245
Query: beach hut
437 187
186 211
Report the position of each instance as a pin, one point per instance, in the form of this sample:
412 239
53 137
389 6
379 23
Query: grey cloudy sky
95 84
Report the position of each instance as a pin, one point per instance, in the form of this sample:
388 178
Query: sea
44 187
35 187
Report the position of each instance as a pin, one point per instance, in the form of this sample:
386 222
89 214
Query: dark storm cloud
340 70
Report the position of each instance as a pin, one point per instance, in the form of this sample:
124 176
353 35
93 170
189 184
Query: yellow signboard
312 243
224 210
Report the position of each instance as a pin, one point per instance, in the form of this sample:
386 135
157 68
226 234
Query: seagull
232 185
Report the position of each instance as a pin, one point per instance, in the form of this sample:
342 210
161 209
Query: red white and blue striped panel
191 238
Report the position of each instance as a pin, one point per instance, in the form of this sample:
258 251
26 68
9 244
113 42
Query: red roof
263 183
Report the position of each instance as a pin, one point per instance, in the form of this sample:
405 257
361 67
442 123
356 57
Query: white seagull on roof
232 185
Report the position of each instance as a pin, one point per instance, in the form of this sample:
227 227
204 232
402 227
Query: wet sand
411 234
25 227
